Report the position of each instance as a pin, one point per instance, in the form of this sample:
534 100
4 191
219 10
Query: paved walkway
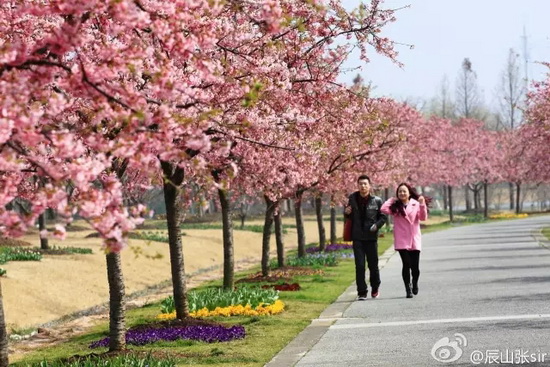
484 298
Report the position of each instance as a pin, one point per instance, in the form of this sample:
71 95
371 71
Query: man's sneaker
375 293
362 297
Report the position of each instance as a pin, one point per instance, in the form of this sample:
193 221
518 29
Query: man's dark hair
363 177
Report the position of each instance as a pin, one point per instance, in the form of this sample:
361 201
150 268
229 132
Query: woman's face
403 193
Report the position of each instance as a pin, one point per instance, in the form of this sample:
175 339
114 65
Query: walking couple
368 214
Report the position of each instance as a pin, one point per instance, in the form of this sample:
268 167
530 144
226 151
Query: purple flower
208 334
330 248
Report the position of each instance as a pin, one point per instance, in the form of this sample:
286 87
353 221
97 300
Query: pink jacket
406 230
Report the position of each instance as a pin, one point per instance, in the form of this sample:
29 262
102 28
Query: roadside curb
307 338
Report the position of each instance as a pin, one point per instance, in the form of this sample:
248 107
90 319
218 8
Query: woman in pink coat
408 209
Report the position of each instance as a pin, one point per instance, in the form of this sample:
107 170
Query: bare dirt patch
12 242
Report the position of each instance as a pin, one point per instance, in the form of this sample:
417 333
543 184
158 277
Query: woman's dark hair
398 208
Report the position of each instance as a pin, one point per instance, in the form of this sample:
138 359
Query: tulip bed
128 360
18 254
247 301
316 259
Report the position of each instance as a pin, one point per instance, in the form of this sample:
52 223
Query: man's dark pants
368 250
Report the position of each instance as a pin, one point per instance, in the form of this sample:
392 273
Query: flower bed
233 310
205 333
115 359
18 254
247 301
281 274
283 287
508 216
330 248
319 259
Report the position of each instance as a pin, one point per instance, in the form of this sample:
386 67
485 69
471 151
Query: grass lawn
546 233
265 335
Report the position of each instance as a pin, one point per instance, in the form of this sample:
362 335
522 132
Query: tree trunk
511 188
467 198
320 224
386 193
243 214
479 188
279 236
117 306
300 224
4 361
228 244
333 222
117 303
269 210
42 226
173 178
450 198
485 201
444 196
518 191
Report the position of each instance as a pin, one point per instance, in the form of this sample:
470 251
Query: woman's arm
423 210
386 206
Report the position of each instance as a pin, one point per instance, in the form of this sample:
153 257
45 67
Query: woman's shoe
415 289
408 290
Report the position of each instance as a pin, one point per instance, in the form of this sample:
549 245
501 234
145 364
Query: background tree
468 105
444 107
510 94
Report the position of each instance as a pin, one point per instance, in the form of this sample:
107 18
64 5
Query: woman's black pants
411 260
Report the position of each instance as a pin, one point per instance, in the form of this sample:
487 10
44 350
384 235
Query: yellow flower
166 316
233 310
508 216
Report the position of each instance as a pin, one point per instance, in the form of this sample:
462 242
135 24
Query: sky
443 33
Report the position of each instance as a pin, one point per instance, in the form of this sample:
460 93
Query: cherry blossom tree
84 83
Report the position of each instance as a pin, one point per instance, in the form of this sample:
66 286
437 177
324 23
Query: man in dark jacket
364 211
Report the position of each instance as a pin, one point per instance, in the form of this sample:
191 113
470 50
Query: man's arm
382 218
347 210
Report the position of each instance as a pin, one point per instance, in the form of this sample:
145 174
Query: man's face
364 187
